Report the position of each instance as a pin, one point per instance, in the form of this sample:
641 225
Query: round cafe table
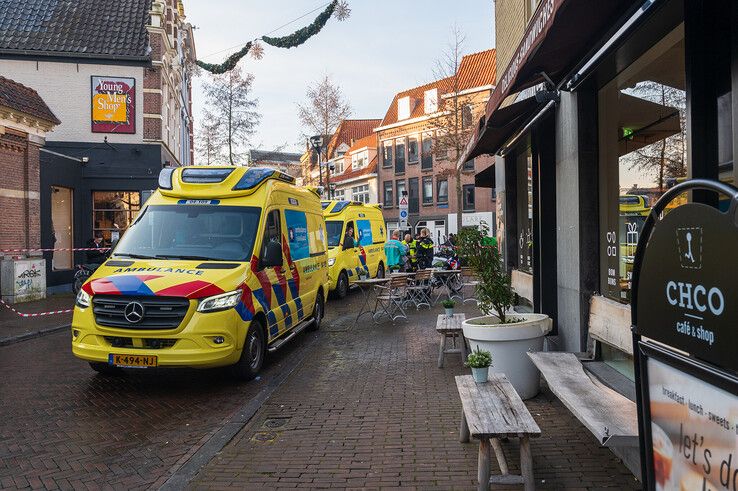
367 286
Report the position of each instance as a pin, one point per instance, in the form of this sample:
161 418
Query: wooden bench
611 417
490 412
450 327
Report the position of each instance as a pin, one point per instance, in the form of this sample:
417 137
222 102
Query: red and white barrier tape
61 249
36 314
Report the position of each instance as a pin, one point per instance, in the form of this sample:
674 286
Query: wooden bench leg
463 429
441 349
500 455
526 464
483 465
463 349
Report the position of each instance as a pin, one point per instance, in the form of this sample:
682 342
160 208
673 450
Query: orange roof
350 130
367 141
350 173
475 70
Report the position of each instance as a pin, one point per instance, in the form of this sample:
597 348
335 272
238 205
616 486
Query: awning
558 36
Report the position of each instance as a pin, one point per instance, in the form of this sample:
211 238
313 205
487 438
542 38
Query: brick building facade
24 121
118 78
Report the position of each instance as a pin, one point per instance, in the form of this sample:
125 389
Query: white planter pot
508 345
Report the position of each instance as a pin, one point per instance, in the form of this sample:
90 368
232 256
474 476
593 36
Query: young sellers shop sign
113 102
685 316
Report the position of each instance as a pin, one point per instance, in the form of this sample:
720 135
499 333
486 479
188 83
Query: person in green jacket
412 253
395 252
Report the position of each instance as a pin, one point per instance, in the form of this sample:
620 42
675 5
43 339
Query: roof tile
24 99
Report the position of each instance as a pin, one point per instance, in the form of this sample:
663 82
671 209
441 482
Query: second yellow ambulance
356 237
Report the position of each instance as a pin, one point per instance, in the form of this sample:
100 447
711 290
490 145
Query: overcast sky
384 47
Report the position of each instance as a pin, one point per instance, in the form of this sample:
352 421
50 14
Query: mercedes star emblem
134 312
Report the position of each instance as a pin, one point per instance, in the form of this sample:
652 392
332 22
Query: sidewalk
370 409
13 327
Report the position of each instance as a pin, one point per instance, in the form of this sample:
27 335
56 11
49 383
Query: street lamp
317 143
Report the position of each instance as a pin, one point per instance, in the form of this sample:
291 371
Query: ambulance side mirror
272 255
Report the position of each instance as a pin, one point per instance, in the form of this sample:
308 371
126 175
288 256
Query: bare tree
228 97
667 157
209 145
323 111
454 120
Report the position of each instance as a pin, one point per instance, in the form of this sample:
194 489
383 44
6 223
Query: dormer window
430 101
403 108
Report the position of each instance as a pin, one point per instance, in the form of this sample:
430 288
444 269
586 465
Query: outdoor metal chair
419 290
468 279
391 298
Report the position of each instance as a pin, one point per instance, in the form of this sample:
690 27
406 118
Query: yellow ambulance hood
171 278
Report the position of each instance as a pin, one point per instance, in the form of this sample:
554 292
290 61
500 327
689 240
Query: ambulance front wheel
252 354
317 312
342 285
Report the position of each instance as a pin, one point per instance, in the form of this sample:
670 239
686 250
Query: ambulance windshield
334 228
198 232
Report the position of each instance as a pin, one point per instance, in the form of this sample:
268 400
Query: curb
33 334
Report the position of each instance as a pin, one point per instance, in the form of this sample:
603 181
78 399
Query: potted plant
506 334
448 305
479 361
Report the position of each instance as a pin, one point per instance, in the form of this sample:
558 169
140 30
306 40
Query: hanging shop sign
685 316
113 103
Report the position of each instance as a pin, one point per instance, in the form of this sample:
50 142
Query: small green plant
494 291
448 304
478 359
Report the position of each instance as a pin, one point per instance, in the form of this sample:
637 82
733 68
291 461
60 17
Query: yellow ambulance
356 236
221 265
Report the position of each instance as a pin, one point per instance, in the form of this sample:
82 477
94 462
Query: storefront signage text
113 101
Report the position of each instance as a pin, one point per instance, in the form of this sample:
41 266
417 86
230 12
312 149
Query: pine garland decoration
300 36
339 8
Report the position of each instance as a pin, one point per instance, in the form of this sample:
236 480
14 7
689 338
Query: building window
430 101
113 212
403 108
442 191
466 116
388 201
338 166
62 221
339 194
427 151
387 160
468 165
358 160
400 186
360 193
524 191
399 156
643 152
412 150
468 193
413 202
428 190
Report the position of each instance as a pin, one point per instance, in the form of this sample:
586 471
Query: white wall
66 89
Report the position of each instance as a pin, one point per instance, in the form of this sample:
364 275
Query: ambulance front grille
158 312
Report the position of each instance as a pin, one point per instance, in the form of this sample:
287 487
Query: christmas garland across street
338 8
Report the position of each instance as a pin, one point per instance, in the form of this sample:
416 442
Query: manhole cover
275 422
264 437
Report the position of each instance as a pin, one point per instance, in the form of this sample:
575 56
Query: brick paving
370 409
12 325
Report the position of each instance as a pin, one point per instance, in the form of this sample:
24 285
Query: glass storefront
643 152
113 212
62 221
524 173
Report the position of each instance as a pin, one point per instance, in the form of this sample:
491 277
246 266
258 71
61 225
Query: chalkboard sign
685 334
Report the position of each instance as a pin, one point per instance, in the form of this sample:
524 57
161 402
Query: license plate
131 361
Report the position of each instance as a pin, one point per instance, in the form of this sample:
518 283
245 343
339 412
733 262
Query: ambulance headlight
331 261
83 299
223 301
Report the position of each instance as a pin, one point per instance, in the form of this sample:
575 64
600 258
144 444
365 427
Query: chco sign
685 333
113 101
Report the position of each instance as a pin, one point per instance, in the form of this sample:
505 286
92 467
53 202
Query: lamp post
317 143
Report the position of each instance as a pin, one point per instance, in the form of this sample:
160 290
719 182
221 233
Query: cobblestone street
363 406
370 409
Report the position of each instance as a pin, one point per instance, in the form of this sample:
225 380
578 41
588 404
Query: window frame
438 191
466 205
388 147
400 163
410 139
397 190
426 159
426 199
391 188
